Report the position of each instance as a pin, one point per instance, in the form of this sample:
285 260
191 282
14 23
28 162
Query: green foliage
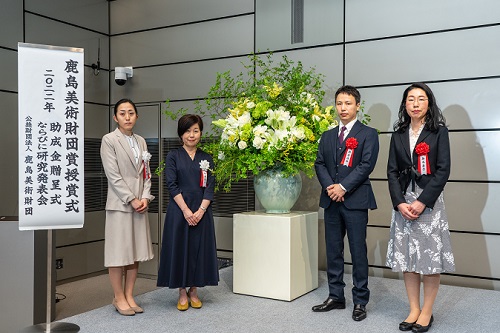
271 116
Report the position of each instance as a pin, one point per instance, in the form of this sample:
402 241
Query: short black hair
186 121
349 90
124 100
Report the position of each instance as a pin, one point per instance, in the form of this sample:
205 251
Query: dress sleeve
209 190
171 165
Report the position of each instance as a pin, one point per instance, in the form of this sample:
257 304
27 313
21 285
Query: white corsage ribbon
204 165
146 157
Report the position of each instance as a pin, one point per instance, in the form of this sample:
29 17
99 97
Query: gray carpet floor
457 310
91 293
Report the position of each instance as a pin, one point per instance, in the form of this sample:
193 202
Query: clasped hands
335 192
193 218
140 206
411 211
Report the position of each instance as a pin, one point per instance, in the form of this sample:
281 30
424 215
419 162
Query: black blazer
399 161
354 179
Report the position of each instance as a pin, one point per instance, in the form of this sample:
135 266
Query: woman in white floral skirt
418 169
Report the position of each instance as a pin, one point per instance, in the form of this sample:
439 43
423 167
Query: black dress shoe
328 305
406 326
359 312
419 328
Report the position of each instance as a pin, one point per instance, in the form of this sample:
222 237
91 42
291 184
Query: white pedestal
275 255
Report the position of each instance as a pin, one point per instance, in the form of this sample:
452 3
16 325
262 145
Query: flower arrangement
272 117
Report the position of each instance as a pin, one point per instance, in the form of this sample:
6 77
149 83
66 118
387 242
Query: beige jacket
125 177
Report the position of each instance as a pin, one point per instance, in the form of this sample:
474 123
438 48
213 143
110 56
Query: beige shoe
137 309
126 312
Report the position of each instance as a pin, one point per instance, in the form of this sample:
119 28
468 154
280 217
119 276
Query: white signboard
51 101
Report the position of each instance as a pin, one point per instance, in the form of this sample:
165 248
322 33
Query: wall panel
96 120
389 18
11 16
381 215
91 14
384 140
475 155
327 61
322 24
9 163
93 231
60 34
473 206
8 68
183 81
184 43
465 104
80 259
437 56
132 15
96 86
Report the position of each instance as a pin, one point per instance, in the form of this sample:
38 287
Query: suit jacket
355 179
400 160
125 176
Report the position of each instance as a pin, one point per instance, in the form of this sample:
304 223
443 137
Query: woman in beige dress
127 239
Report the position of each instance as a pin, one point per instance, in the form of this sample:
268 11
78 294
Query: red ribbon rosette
351 144
422 150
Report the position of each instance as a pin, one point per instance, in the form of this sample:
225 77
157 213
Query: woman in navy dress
188 253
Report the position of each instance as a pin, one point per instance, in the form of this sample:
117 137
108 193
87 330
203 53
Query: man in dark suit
345 159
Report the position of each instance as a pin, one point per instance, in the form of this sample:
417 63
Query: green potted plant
268 122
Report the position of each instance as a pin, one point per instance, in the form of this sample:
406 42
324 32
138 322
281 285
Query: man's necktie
341 136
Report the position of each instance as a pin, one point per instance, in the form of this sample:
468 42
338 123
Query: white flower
298 132
250 105
146 156
244 119
281 135
221 156
278 119
259 130
259 142
204 165
242 144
